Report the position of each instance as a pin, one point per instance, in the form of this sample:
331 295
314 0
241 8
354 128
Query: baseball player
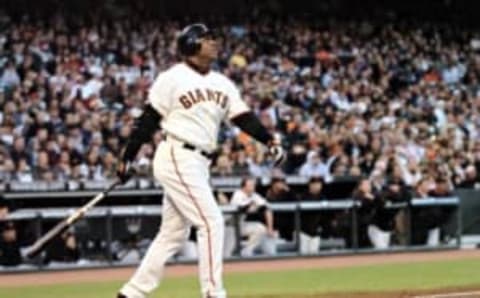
256 222
190 101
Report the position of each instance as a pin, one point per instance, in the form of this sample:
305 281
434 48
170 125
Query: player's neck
201 66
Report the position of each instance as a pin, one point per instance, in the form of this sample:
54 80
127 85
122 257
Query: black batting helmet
188 43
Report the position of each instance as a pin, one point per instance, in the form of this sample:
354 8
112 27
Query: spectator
426 221
18 151
63 249
9 245
257 220
345 98
42 169
396 190
372 221
443 188
240 166
311 220
223 166
258 167
470 179
314 166
279 192
10 77
23 173
7 170
296 158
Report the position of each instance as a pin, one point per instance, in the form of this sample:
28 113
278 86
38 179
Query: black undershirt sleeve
143 129
250 124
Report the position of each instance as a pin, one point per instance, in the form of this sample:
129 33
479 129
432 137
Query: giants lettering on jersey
198 95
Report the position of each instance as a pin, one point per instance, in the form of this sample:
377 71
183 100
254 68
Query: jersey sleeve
236 105
159 95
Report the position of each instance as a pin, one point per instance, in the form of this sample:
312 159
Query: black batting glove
276 152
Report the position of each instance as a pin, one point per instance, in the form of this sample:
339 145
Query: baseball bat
62 226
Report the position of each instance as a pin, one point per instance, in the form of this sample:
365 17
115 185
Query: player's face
209 48
250 186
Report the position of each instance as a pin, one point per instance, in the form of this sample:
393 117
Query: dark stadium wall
470 205
462 11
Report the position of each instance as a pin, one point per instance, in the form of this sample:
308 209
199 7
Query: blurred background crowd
393 101
358 98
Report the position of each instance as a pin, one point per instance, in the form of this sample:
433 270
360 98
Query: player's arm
269 221
143 129
267 212
250 124
242 117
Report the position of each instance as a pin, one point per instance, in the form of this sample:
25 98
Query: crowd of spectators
383 100
395 104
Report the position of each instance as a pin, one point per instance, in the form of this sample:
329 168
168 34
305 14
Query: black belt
193 148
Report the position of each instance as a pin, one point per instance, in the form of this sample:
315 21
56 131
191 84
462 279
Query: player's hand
125 171
277 153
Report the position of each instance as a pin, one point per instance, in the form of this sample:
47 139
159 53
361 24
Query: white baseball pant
433 238
379 238
309 244
257 237
184 175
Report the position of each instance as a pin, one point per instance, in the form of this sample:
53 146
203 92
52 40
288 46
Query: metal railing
108 214
146 186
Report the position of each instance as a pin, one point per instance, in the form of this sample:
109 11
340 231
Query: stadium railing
107 214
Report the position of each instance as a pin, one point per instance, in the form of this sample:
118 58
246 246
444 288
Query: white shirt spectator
257 170
453 74
24 177
440 115
92 87
9 78
314 167
96 69
340 101
327 78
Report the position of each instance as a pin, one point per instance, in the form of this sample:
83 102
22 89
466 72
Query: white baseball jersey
241 199
193 105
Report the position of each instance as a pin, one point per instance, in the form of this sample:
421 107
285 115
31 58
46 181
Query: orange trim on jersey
204 219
